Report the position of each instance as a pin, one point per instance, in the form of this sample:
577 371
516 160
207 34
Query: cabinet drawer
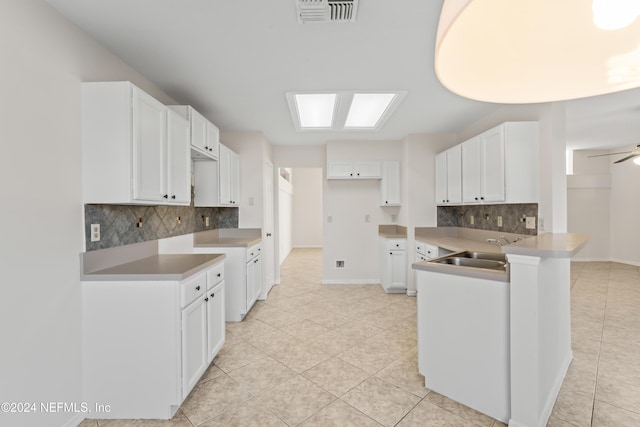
253 252
396 244
215 275
420 247
193 289
430 251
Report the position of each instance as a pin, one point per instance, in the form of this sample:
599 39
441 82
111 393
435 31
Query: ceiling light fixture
509 51
367 109
342 110
315 110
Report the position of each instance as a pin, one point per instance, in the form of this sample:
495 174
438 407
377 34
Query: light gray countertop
224 238
548 245
161 267
392 231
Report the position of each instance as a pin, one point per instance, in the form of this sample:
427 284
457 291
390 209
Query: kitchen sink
495 256
486 260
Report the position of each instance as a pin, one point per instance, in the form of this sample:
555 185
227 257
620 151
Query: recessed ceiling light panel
342 110
367 109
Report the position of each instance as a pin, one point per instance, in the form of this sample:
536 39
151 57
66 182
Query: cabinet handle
206 299
268 234
387 202
210 149
358 173
255 261
397 245
213 294
173 197
206 148
219 274
166 196
350 174
197 288
476 198
447 200
481 198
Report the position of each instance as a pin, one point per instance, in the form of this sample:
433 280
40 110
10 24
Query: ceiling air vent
325 11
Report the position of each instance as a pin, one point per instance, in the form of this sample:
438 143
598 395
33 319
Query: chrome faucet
496 241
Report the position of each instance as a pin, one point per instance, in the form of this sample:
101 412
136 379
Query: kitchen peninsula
538 312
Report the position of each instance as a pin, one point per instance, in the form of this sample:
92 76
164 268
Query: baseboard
622 261
351 282
75 420
555 389
412 293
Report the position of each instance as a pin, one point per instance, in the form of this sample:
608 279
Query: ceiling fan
632 154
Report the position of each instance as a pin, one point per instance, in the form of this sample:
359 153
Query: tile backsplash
119 224
485 217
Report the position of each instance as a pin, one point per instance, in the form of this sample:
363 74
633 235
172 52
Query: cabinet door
224 165
254 281
149 147
397 269
390 184
178 159
367 169
441 178
492 165
213 140
471 192
454 174
215 321
339 169
234 178
198 131
194 344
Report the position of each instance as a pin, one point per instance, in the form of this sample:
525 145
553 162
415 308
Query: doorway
299 209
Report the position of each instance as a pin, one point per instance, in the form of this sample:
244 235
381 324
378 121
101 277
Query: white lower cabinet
147 343
194 343
243 278
393 265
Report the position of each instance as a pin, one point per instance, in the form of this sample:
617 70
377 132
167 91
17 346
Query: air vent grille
326 11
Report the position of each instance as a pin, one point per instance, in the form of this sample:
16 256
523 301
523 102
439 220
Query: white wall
348 237
307 208
285 217
44 59
625 212
589 204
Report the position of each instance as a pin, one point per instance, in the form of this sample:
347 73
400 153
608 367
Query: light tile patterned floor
314 355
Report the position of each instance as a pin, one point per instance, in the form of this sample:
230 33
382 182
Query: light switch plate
471 220
530 223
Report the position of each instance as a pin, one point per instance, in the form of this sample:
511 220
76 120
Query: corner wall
44 60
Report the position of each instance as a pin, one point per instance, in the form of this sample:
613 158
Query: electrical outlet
367 218
206 221
339 264
95 232
541 223
471 220
530 222
499 221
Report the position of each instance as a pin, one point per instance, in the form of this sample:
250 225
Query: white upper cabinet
179 164
229 177
500 165
205 136
449 176
390 184
128 154
483 168
348 169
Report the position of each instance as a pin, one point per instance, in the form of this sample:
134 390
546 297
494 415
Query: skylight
342 110
315 110
367 109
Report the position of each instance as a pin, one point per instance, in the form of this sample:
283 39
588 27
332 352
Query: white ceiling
235 60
